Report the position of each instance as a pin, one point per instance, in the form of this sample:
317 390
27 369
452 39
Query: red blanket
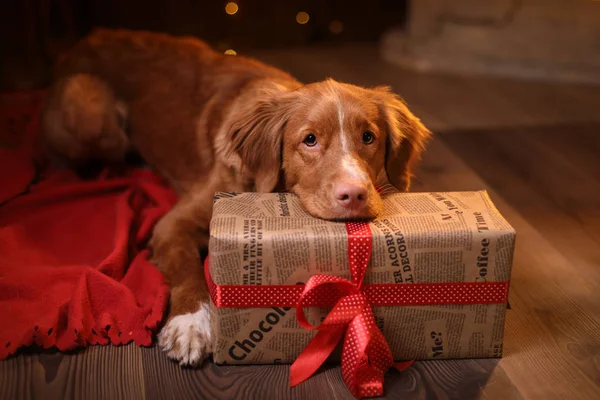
73 265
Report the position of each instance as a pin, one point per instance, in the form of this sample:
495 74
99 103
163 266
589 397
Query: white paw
187 338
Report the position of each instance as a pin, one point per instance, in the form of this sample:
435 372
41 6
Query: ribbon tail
314 355
369 382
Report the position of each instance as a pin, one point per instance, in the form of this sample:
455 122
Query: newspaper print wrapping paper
268 239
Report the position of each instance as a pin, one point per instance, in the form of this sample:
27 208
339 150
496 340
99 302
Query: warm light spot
302 17
230 52
336 27
231 8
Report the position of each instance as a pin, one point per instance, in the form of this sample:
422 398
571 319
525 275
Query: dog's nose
351 196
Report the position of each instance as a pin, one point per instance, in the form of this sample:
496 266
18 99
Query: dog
209 122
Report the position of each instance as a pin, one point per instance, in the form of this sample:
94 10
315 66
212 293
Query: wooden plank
15 377
430 379
552 338
98 372
452 379
576 145
166 379
553 103
559 200
573 187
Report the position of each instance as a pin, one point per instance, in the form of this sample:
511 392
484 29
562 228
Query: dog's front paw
187 338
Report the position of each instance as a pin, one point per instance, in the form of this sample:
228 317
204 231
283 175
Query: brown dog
209 122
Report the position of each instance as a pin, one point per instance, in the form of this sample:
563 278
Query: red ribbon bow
366 355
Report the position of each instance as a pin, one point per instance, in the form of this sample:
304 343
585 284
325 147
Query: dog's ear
406 138
255 132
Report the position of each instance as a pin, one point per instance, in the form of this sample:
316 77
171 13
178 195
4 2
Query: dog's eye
368 137
310 140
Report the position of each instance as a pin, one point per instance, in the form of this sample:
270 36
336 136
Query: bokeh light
231 8
230 52
302 17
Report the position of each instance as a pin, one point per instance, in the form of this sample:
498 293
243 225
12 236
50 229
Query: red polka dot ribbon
365 354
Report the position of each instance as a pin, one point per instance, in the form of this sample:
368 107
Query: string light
302 17
231 8
336 27
230 52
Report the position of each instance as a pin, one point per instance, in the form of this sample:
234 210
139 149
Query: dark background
33 32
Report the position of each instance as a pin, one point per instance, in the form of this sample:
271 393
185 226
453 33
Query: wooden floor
535 147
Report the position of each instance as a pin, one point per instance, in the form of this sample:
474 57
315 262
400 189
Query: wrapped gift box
426 241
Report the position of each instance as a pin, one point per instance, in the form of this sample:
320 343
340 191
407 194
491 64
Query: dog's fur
209 122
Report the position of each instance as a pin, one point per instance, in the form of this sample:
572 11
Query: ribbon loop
350 302
333 288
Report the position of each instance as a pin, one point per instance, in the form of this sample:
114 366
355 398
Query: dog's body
209 122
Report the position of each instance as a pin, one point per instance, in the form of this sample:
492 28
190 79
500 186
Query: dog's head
327 142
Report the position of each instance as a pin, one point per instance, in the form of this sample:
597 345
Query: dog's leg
176 244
